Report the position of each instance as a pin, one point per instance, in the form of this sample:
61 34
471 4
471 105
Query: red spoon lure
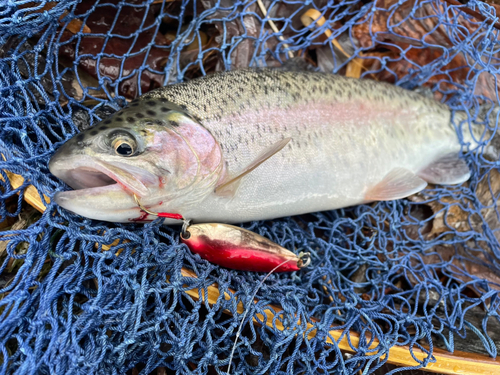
240 249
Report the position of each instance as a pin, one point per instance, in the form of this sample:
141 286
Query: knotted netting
419 273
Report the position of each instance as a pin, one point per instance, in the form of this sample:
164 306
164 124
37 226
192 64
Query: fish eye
124 147
123 143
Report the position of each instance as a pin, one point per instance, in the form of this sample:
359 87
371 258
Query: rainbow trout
260 144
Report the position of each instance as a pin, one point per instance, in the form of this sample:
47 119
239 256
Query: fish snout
71 148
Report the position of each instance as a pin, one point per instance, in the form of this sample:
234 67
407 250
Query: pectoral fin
229 188
448 170
397 184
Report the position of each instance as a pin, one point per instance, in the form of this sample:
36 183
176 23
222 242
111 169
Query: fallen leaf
417 39
124 54
74 26
454 213
411 22
447 78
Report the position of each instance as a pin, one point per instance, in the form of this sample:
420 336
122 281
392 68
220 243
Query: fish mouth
82 178
102 190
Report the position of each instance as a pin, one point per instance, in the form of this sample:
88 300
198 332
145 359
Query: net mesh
422 272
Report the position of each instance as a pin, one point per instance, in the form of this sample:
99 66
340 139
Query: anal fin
448 170
228 188
398 183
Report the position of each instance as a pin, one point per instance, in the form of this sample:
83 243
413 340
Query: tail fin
482 132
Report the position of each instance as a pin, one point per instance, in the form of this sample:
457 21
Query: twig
273 26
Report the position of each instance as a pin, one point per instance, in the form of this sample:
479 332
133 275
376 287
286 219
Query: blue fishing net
418 273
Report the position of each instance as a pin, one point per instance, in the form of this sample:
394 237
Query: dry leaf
454 74
27 217
453 214
412 22
129 19
74 26
460 214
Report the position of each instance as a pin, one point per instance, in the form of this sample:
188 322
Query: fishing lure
234 247
240 249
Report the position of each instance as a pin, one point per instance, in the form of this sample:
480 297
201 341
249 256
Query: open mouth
102 190
98 176
86 177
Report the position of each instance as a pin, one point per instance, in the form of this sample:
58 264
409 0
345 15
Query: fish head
152 150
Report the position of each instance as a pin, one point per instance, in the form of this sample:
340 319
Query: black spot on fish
107 122
94 132
119 119
164 109
151 103
139 115
174 123
183 107
103 127
130 119
151 113
80 137
134 104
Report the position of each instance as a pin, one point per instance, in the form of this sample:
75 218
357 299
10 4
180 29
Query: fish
260 144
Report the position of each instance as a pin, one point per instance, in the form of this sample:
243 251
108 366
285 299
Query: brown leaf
412 22
454 74
459 213
74 26
27 217
408 26
128 22
453 213
243 52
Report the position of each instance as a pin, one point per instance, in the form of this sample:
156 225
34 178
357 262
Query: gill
198 161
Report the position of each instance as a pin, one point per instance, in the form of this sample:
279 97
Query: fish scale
350 141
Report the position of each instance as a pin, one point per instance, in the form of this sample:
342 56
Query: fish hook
166 215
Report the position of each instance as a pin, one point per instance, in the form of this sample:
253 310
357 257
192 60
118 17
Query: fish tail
482 133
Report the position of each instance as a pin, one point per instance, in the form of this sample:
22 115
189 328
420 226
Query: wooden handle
446 363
